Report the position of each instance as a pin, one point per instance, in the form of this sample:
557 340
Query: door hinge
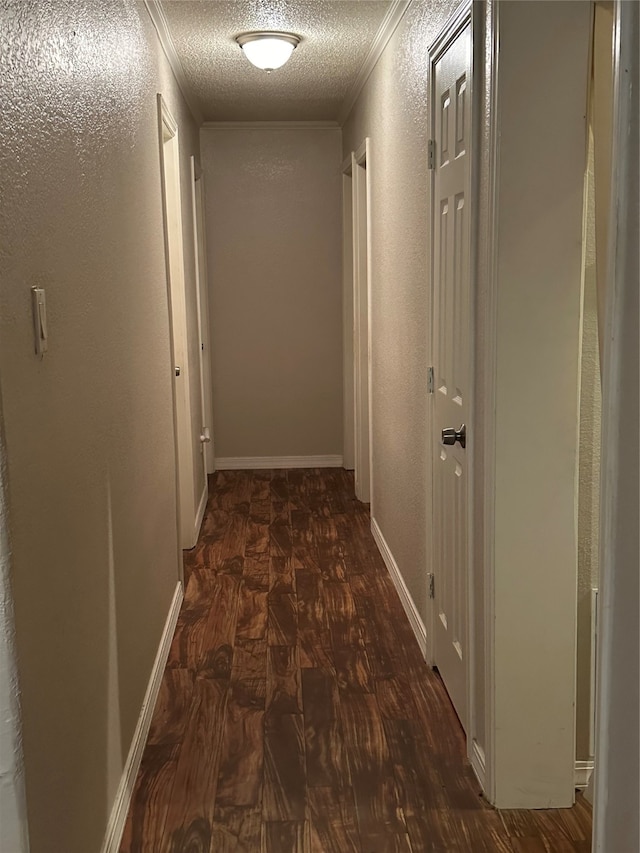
430 381
431 154
432 586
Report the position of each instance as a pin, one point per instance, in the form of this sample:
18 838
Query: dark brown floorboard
296 714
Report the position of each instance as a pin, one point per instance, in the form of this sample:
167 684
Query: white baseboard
245 463
583 770
201 510
120 809
405 596
478 763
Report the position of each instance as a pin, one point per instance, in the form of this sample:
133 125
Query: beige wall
273 210
89 429
392 110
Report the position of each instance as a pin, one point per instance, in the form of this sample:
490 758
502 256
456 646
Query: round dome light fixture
268 50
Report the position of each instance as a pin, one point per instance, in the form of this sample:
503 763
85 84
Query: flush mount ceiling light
268 50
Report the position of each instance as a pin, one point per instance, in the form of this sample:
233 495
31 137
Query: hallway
296 712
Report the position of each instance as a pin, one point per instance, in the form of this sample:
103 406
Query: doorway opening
361 301
596 225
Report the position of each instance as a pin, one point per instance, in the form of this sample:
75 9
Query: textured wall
273 210
89 429
392 110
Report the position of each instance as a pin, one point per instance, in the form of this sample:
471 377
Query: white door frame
174 253
363 446
202 303
348 367
487 54
617 760
461 18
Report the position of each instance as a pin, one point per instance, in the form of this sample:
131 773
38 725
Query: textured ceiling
336 38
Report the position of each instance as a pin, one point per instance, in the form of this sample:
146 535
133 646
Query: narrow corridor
296 712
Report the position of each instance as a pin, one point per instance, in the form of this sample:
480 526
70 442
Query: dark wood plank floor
296 714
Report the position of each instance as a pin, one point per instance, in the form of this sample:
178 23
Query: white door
361 331
451 70
206 408
170 165
348 395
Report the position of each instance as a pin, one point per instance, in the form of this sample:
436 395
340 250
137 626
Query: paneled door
179 365
451 70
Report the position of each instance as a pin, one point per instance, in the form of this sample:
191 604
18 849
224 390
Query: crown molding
158 18
387 28
271 125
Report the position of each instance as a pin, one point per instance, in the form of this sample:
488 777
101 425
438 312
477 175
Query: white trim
387 28
362 288
170 176
473 13
458 20
249 463
202 303
271 125
582 773
156 13
478 762
594 671
408 603
166 117
369 321
203 319
488 450
348 327
430 364
616 779
120 808
361 152
202 506
348 389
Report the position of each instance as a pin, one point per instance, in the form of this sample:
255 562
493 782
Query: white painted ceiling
337 36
